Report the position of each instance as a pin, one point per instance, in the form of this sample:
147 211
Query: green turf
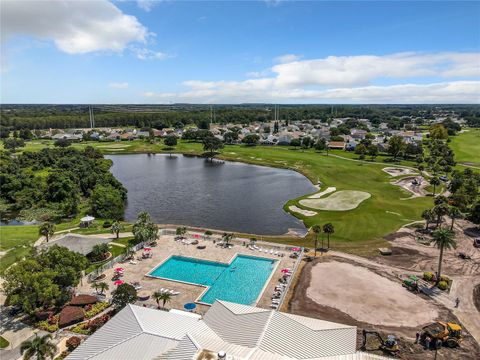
11 236
358 229
466 146
3 343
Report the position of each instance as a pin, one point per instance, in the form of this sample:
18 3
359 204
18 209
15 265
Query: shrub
95 324
73 342
428 276
70 315
81 329
46 326
81 300
107 224
95 309
445 278
443 285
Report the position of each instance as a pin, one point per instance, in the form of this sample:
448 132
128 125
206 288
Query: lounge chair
271 251
133 262
274 306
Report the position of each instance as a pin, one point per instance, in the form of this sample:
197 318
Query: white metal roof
243 332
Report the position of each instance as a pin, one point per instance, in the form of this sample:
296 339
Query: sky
99 52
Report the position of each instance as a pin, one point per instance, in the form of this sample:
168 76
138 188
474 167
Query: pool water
241 281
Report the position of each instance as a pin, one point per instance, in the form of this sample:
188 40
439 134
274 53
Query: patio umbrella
147 249
296 249
285 271
118 282
189 306
119 269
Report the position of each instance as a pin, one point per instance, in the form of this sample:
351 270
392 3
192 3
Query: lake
194 191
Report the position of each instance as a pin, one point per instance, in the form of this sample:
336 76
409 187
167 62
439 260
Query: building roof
243 332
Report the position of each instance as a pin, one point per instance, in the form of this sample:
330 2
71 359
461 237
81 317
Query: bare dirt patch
407 184
476 297
383 302
302 211
392 171
339 201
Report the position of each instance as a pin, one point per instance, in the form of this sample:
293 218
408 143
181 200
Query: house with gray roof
240 332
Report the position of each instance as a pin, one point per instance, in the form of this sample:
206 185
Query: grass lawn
3 342
114 250
12 236
359 230
466 146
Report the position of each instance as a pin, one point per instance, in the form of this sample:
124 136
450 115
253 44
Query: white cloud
147 5
287 58
147 54
234 92
118 85
74 26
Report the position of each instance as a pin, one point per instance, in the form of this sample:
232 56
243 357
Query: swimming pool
240 281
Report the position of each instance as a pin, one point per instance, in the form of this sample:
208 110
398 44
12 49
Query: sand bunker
367 297
340 201
407 184
301 211
324 192
398 171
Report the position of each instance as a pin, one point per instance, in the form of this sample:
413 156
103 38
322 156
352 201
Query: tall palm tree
440 211
317 229
40 348
95 286
227 237
47 229
454 213
443 239
428 216
157 296
328 229
435 181
166 297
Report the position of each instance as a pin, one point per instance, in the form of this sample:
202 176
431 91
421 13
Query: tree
372 151
211 144
443 239
117 228
230 136
13 143
328 229
227 237
295 143
107 202
317 229
170 141
307 142
438 132
40 348
144 230
157 296
435 181
102 286
251 139
454 213
124 294
428 216
47 229
395 146
181 231
162 296
361 150
62 143
98 252
207 234
321 145
440 211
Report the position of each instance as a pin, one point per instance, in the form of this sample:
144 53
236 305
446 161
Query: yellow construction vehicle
441 333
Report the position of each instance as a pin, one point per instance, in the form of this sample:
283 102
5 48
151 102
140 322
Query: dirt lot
415 190
337 295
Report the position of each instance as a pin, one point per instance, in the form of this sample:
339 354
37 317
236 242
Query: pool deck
167 247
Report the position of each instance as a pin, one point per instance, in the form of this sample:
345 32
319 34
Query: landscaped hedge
73 342
92 310
443 285
428 276
81 300
70 315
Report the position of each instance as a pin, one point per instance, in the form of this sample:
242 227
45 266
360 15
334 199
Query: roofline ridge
254 312
308 327
264 331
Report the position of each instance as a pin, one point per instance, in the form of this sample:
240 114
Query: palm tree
207 234
428 216
117 227
103 286
454 213
47 229
166 297
440 211
317 229
443 239
95 286
157 296
40 348
328 229
226 237
435 181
